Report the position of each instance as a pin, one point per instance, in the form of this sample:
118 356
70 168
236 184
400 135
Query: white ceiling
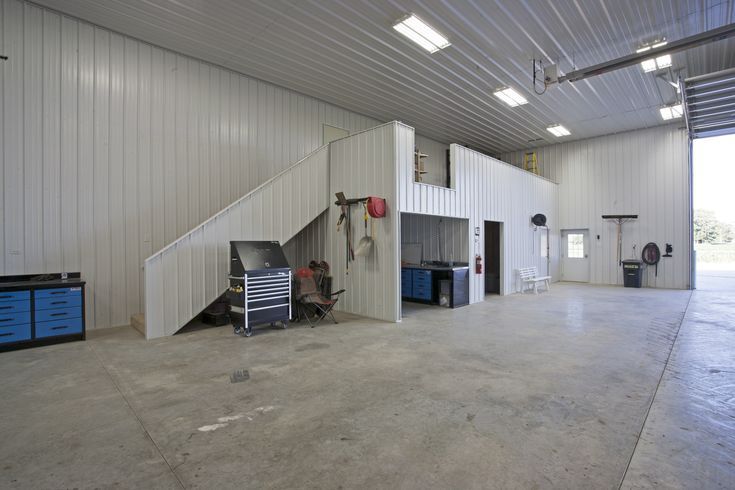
345 52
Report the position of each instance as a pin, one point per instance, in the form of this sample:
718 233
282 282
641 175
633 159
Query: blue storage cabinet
416 284
40 312
406 283
15 316
422 284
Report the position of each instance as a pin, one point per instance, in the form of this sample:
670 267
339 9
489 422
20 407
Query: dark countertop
52 283
436 267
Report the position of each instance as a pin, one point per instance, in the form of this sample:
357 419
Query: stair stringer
190 273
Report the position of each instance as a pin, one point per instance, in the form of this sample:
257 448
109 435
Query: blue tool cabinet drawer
14 333
15 295
421 278
58 327
61 302
57 292
14 306
58 314
421 282
16 318
419 274
422 293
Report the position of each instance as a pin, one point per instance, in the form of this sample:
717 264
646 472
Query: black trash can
632 273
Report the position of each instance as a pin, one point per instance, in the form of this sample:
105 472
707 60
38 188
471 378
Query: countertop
52 283
436 267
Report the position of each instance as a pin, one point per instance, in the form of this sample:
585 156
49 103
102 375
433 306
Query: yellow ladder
530 163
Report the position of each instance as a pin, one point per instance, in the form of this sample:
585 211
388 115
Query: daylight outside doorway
714 212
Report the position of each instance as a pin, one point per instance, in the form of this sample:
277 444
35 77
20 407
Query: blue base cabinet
416 284
422 285
39 312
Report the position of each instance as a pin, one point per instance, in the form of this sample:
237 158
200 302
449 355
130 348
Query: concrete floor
689 437
548 391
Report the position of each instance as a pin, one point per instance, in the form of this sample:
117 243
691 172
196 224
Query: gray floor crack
655 392
135 414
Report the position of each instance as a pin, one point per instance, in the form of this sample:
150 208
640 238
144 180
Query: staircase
187 275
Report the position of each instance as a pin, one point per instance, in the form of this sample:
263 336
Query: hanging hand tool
344 205
366 242
619 219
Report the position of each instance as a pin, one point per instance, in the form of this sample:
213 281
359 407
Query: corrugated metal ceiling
345 52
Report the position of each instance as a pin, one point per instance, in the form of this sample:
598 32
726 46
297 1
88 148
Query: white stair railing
187 275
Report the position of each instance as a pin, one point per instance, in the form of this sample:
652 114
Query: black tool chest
260 285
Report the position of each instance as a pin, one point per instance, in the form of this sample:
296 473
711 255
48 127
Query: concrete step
137 321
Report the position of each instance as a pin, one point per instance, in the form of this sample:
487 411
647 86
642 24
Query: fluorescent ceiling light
510 97
558 130
422 34
663 61
657 63
671 112
648 65
652 64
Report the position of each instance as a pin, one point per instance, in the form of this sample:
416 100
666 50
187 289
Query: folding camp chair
311 302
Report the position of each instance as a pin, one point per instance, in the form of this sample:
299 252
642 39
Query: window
575 246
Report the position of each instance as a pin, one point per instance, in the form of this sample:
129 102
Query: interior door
575 262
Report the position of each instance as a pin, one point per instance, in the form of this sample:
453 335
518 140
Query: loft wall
485 188
644 172
362 165
441 238
113 148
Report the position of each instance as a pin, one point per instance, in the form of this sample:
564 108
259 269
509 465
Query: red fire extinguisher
478 264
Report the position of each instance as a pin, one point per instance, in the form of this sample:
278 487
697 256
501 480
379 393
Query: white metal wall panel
642 172
190 273
441 238
486 189
364 164
308 244
112 148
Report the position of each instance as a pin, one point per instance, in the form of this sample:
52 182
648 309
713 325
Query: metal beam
713 35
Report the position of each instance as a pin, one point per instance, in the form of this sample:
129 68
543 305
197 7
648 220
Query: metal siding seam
116 221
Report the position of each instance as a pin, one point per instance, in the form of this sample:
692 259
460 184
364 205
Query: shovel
366 242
